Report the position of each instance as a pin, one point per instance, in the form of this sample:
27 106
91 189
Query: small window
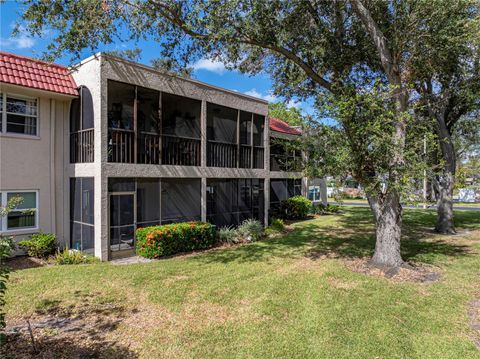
24 214
21 115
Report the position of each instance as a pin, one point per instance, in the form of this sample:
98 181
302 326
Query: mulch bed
24 262
406 273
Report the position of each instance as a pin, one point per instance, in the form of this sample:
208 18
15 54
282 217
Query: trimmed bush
228 235
158 241
250 230
296 207
40 245
72 256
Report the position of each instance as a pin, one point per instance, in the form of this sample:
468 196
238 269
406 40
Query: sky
204 70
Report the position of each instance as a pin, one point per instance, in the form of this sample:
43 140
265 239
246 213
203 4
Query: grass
274 299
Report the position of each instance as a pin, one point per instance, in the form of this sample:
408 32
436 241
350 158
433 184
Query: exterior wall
38 162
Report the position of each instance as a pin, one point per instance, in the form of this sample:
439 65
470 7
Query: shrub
158 241
250 230
40 245
277 224
322 209
332 208
72 256
228 235
296 207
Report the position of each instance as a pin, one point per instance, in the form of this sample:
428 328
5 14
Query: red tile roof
24 71
283 127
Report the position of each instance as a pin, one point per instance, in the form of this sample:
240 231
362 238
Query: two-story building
110 145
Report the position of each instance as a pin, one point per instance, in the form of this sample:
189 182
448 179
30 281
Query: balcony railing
245 156
148 148
82 146
258 157
121 146
181 151
221 154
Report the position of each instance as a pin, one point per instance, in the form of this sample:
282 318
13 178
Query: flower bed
158 241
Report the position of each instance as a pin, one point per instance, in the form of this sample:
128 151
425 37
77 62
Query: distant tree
171 65
291 115
127 54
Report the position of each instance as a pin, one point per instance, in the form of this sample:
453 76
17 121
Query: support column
203 199
304 186
203 134
266 195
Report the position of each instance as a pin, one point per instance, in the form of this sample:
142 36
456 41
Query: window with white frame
314 193
18 114
24 214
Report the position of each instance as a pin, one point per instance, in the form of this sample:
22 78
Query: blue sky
205 70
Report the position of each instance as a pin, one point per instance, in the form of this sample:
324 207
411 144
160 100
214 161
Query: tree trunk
444 186
446 180
387 212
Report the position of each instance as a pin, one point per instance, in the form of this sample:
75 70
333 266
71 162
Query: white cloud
210 65
268 97
20 42
293 103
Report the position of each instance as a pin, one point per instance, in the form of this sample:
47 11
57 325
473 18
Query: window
81 214
18 114
24 215
314 193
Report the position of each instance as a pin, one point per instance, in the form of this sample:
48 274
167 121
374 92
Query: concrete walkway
131 260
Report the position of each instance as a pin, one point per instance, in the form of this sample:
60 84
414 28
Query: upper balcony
146 126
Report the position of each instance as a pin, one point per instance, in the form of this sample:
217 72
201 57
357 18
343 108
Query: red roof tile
283 127
24 71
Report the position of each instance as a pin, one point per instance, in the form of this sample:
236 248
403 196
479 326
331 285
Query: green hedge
296 207
158 241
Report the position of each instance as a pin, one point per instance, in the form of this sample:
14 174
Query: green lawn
275 298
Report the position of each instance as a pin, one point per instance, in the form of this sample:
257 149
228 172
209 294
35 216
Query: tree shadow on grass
351 235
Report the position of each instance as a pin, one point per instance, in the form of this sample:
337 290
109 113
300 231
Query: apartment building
120 145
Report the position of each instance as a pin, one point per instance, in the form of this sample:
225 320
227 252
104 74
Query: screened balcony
81 128
149 127
234 138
